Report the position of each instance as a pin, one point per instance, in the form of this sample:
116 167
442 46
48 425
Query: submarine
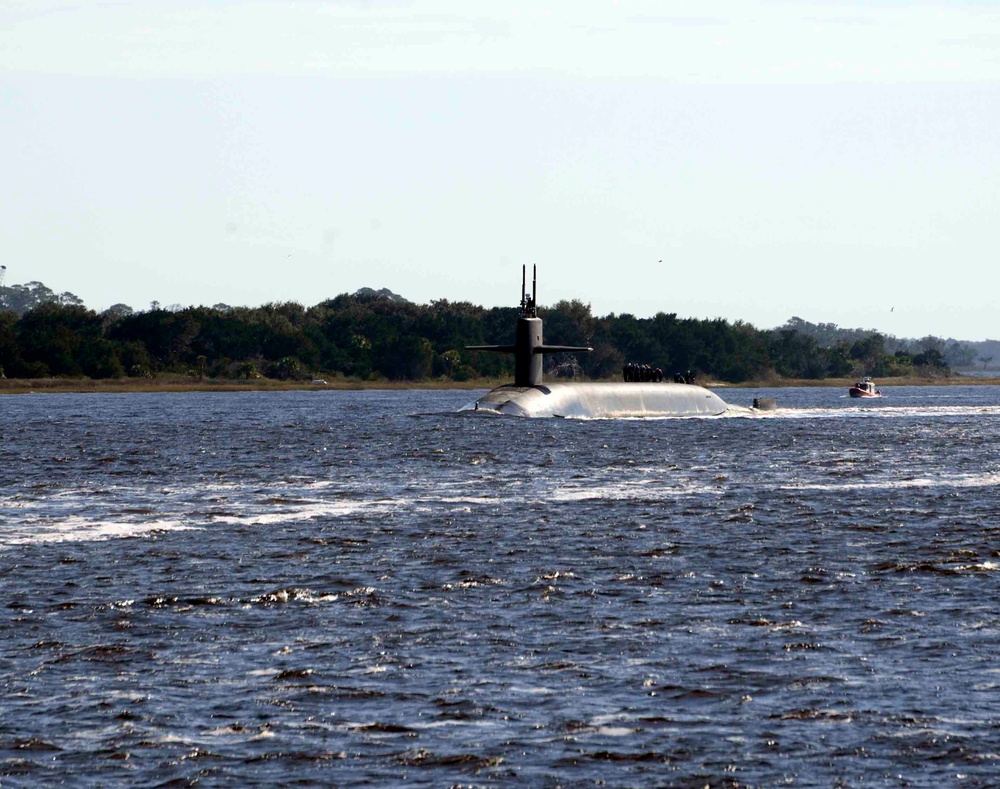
528 396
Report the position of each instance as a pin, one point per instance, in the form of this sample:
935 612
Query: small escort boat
865 388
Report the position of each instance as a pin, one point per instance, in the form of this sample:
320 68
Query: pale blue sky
749 159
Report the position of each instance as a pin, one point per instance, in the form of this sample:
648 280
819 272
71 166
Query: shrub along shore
178 383
368 338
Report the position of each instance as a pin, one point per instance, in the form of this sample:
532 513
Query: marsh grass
182 383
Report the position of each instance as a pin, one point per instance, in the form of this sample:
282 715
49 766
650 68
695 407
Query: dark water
364 589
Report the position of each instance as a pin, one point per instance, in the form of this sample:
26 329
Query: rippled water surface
366 588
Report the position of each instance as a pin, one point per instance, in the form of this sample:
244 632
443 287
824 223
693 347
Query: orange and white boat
865 388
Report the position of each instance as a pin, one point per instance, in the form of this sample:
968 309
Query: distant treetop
22 298
383 293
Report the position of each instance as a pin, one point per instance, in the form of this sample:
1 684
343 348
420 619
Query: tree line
369 336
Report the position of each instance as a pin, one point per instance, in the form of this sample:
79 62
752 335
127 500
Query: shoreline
179 384
881 383
182 384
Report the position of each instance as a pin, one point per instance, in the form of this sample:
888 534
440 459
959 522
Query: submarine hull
601 400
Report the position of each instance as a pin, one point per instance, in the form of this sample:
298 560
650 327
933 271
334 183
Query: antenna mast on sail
529 303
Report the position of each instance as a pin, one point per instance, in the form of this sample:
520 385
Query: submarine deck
602 400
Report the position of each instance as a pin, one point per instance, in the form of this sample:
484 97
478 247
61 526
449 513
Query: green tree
24 298
869 355
167 336
66 339
931 360
10 353
796 355
287 369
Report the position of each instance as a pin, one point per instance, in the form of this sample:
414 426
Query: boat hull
601 400
855 392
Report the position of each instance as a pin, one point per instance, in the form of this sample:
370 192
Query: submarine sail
528 346
528 396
